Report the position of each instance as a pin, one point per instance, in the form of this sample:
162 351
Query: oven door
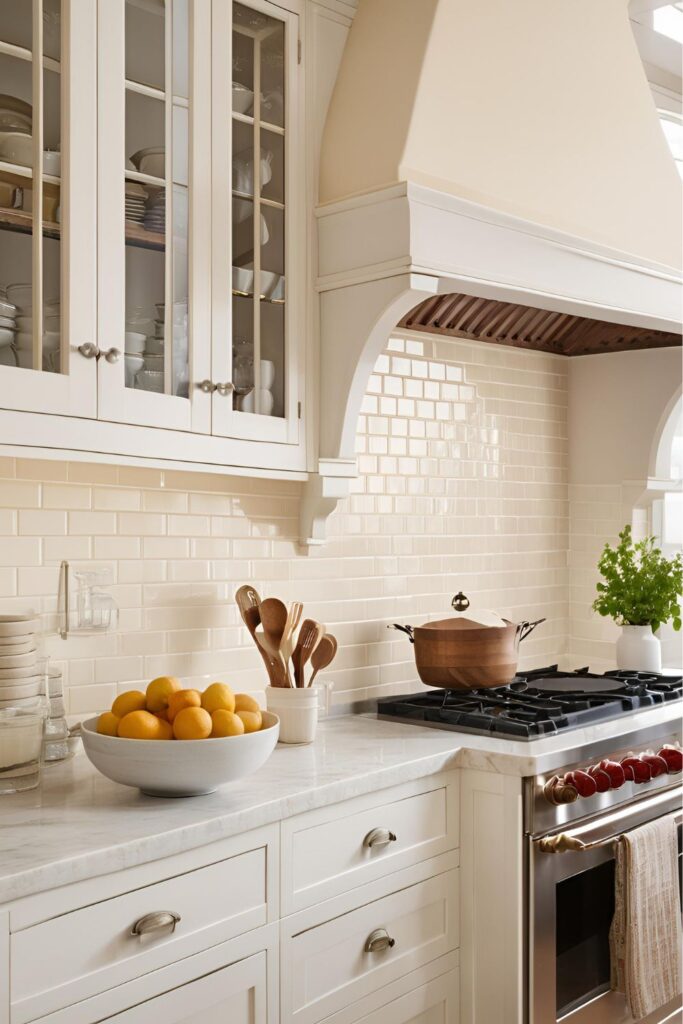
571 910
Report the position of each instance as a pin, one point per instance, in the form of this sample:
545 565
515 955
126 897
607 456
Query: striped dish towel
645 937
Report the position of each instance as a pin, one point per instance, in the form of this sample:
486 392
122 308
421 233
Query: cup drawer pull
159 921
378 941
379 837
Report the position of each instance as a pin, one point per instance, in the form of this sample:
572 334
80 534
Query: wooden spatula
323 655
310 635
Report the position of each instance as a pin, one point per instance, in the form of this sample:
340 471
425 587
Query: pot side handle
408 630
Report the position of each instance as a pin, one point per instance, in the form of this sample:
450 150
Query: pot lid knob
460 603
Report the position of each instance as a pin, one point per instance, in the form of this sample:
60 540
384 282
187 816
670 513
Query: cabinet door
256 304
233 995
154 215
47 206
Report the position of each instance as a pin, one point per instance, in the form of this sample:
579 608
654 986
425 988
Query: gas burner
536 703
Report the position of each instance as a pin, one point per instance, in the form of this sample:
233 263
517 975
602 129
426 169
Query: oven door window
584 911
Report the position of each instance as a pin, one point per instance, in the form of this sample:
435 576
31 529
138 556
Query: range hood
509 152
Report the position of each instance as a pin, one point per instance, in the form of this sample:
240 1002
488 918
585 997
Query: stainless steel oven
570 877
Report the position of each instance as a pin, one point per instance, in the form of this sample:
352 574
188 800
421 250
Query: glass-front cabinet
150 214
47 205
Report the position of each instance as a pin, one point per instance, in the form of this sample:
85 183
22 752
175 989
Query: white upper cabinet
164 287
48 74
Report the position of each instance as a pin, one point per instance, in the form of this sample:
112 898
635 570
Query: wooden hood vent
506 323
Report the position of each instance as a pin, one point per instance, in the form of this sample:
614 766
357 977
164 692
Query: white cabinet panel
236 994
330 966
338 848
48 262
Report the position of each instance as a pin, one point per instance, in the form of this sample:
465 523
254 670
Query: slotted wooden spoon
323 655
310 635
249 602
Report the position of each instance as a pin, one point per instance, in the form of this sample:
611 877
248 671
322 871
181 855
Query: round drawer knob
159 921
379 837
225 389
378 941
112 355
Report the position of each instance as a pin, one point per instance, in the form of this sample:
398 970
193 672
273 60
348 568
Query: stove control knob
557 792
673 757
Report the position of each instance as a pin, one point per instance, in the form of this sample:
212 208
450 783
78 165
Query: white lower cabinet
207 937
237 994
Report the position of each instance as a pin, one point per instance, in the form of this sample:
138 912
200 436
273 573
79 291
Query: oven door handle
565 842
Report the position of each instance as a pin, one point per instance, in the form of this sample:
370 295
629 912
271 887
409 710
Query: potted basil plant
640 590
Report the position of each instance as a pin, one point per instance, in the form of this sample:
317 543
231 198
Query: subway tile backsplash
463 485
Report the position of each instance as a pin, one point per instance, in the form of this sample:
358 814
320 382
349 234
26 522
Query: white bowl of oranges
173 741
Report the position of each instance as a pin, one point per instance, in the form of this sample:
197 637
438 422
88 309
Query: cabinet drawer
331 851
330 966
436 1002
77 955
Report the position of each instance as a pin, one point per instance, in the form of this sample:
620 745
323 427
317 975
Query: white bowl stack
21 676
21 296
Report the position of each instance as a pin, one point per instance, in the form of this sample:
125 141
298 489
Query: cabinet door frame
226 421
73 391
116 402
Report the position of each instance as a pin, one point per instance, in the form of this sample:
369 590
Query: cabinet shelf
266 125
275 204
21 221
250 295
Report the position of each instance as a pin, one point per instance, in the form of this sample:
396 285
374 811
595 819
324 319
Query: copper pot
458 654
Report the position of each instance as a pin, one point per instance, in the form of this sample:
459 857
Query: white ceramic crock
638 649
297 709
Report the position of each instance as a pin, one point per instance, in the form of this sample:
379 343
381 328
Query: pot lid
476 616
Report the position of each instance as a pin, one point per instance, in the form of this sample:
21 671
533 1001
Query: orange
243 702
225 723
192 724
131 700
140 725
162 715
183 699
251 720
165 730
159 691
108 724
218 695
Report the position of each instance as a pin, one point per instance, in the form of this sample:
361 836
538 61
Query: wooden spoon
323 654
274 616
248 602
310 635
293 617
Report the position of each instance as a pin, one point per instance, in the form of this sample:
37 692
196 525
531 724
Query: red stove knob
656 763
673 757
582 782
635 769
602 779
617 778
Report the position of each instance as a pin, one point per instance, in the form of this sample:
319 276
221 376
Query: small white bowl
20 691
133 363
242 98
8 321
154 347
51 341
16 645
7 309
20 295
18 660
135 342
16 675
150 380
150 161
16 148
155 363
180 767
242 279
7 336
269 281
16 626
52 162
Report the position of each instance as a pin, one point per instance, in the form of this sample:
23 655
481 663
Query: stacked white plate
8 321
21 295
136 199
155 213
20 676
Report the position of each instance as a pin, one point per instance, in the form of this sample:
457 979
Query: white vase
639 649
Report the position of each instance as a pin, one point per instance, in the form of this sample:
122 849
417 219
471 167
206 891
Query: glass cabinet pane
259 212
156 196
30 185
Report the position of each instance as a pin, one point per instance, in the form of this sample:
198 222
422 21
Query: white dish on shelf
52 162
150 380
29 688
7 336
15 110
135 342
269 281
248 402
267 373
154 346
52 322
151 160
20 295
24 341
242 98
154 362
133 363
7 308
8 661
16 645
242 279
243 170
8 321
24 323
278 292
15 626
16 148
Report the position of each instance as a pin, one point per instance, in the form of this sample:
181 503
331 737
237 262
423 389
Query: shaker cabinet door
259 265
48 88
154 224
233 995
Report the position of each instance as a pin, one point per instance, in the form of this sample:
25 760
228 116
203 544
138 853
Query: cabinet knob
224 389
378 941
159 921
207 386
89 350
112 355
379 837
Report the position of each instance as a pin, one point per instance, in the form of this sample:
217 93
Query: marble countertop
79 825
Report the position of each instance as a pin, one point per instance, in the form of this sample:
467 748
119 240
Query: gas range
536 703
